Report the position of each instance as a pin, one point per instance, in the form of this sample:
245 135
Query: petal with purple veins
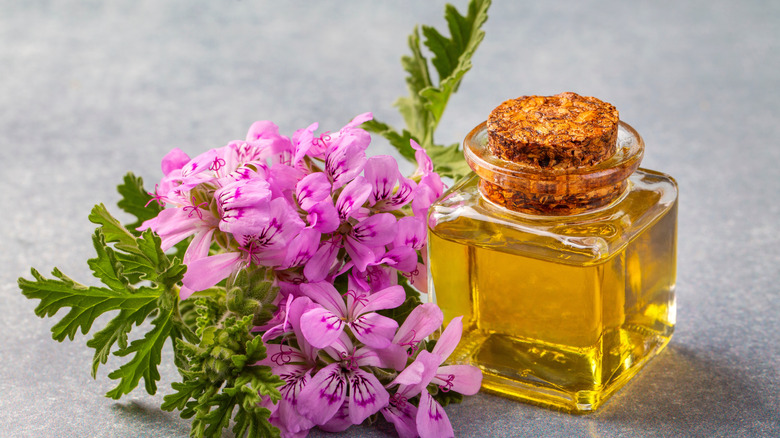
321 327
322 397
366 396
432 421
352 197
373 329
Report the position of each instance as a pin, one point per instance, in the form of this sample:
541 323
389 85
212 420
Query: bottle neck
545 204
553 192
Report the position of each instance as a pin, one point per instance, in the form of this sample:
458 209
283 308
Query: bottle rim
524 187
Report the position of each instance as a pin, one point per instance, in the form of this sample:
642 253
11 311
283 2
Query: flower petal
449 339
419 373
464 379
302 248
373 329
323 395
337 423
173 225
323 216
421 322
361 255
382 172
352 197
366 396
377 230
199 246
262 129
411 232
312 189
324 294
174 160
320 265
206 272
403 416
303 142
321 327
345 158
402 258
432 421
387 298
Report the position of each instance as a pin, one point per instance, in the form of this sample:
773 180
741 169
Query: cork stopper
553 155
562 131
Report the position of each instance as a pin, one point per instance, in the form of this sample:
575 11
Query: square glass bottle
565 278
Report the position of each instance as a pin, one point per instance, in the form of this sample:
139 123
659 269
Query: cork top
564 131
553 155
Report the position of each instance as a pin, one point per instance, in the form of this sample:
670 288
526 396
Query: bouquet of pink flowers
286 272
331 232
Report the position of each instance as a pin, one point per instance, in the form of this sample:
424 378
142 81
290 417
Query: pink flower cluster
315 211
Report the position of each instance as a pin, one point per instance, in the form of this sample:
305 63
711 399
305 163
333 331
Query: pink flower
262 241
182 221
243 203
320 217
322 325
343 383
431 419
382 172
294 366
345 154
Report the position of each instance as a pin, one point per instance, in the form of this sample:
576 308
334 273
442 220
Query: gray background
90 90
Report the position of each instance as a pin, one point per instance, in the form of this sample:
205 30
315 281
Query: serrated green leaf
452 56
116 332
215 420
424 107
412 108
146 357
112 229
253 423
265 382
105 266
136 201
85 303
185 391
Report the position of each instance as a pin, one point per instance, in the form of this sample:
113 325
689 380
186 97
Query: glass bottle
565 277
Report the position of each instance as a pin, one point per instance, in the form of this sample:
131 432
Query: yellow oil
558 311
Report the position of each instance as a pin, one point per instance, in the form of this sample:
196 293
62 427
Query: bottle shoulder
463 215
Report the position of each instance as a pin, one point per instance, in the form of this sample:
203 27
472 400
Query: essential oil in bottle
559 252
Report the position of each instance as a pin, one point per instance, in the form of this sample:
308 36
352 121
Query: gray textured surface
90 90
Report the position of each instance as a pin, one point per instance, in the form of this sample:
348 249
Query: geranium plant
286 272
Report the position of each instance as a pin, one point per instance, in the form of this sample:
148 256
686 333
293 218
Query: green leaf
213 421
222 380
137 201
450 159
412 108
399 141
446 397
85 303
143 364
106 267
252 422
120 268
185 391
423 108
112 228
453 55
116 332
